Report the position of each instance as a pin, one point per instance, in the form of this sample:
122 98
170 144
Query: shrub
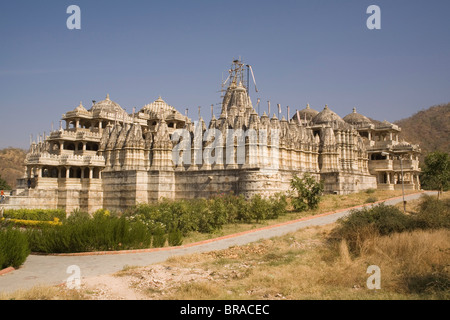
366 223
159 238
35 214
78 216
370 190
205 216
242 208
371 199
432 213
28 223
175 238
14 248
83 234
278 204
258 208
308 191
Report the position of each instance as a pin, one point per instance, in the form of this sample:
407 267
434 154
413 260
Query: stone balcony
407 165
65 159
380 165
76 134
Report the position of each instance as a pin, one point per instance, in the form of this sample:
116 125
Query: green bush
371 199
81 233
364 223
278 204
159 238
35 214
175 238
206 216
308 192
14 248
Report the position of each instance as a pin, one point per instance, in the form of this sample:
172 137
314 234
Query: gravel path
51 270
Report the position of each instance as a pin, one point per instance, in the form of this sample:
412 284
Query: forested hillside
429 128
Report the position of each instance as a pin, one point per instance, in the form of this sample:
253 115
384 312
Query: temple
106 158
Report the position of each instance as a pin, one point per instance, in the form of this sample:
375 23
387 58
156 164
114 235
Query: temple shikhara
104 157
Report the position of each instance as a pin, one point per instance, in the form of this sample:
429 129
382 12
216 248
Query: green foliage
371 199
259 208
14 248
206 216
175 238
436 171
159 237
35 214
150 224
308 192
278 204
4 185
81 233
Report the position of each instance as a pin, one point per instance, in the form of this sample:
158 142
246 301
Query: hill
11 164
430 128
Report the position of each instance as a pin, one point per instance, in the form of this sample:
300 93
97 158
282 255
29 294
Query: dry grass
42 292
301 266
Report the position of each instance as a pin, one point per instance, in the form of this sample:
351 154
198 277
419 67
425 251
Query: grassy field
298 266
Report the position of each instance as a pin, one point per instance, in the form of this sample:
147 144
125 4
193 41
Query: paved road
51 270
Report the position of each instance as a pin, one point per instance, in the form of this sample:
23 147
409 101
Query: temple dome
80 108
357 119
161 110
307 113
107 106
326 116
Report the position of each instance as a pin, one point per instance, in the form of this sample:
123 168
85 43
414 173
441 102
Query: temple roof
108 106
307 113
80 108
356 118
161 110
326 116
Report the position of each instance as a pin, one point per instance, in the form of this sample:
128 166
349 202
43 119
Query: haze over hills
430 128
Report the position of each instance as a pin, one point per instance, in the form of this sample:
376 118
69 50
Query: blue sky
318 52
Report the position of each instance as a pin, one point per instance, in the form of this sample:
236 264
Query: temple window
70 146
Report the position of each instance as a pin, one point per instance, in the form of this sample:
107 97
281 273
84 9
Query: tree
436 172
308 190
4 185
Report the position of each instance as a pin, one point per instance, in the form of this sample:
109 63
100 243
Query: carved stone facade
107 158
